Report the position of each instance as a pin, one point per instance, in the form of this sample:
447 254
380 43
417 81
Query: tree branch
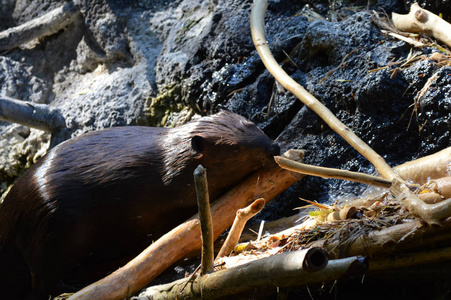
39 116
46 25
258 36
433 166
206 223
331 173
422 20
242 216
388 240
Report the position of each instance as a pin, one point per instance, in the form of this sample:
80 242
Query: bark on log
185 238
409 260
46 25
388 240
282 270
39 116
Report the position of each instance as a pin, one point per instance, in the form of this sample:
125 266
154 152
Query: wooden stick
46 25
39 116
331 173
422 20
282 270
242 216
433 166
258 36
206 223
408 40
185 238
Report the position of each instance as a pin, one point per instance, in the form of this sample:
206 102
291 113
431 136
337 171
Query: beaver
94 202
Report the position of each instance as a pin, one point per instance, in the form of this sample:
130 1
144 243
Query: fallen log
39 116
282 270
409 259
46 25
185 238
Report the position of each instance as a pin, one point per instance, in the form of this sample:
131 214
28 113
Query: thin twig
331 173
39 116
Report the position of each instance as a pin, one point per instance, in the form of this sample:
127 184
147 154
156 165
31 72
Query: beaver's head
226 144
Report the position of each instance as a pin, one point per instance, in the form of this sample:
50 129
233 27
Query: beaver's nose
275 149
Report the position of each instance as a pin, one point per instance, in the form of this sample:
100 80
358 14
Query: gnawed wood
422 20
421 170
242 216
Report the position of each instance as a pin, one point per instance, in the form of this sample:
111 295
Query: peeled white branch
258 36
46 25
433 166
331 173
431 214
422 20
39 116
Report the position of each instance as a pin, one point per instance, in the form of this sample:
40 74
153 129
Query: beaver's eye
198 143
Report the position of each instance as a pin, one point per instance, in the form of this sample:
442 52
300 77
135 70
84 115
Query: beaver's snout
271 151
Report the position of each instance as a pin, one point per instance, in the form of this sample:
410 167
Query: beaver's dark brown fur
95 201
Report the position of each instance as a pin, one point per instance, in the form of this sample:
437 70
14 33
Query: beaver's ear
198 144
